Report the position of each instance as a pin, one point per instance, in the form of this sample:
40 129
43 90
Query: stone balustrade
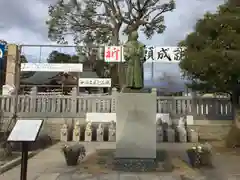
75 105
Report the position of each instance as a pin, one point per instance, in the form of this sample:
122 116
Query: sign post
25 131
2 50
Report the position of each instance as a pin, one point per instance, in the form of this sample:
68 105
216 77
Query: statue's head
133 35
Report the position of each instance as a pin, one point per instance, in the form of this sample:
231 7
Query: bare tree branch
145 15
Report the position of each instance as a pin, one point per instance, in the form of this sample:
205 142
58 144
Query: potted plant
200 155
194 156
72 153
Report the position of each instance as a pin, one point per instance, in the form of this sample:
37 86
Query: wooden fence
34 105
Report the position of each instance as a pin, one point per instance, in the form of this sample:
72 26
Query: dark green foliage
58 57
212 54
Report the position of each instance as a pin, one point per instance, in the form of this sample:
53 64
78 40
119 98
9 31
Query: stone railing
73 105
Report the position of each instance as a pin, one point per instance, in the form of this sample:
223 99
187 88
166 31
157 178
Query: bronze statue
134 57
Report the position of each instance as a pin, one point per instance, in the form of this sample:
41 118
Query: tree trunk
116 75
236 107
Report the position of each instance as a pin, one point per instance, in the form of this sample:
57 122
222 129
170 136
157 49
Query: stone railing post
12 78
114 100
194 104
94 104
33 96
74 95
154 93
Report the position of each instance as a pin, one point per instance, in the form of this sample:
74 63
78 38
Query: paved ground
50 165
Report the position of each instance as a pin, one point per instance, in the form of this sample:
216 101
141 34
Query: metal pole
24 161
57 45
152 70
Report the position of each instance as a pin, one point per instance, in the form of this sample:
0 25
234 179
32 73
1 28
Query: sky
23 22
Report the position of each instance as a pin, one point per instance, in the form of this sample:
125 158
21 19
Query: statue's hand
126 58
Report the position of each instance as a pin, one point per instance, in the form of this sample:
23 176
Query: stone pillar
100 132
159 130
13 66
88 132
159 134
192 135
74 95
114 100
181 130
64 133
112 132
33 101
194 105
76 132
170 135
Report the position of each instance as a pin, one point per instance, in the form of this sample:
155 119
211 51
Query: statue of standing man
134 57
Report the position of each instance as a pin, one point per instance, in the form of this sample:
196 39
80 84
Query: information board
25 130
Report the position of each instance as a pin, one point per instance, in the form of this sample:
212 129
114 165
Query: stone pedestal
100 131
159 134
135 165
76 132
182 134
64 133
170 135
136 126
192 135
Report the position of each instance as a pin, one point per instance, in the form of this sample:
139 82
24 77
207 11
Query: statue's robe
134 56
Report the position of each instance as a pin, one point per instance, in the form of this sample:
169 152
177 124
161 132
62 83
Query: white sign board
113 54
190 120
108 117
166 54
51 67
25 130
100 117
94 82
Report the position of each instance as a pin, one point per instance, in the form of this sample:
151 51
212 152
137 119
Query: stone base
136 126
135 165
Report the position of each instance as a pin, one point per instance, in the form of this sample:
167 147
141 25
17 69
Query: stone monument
136 115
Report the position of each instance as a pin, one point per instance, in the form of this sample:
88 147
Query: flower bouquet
72 153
